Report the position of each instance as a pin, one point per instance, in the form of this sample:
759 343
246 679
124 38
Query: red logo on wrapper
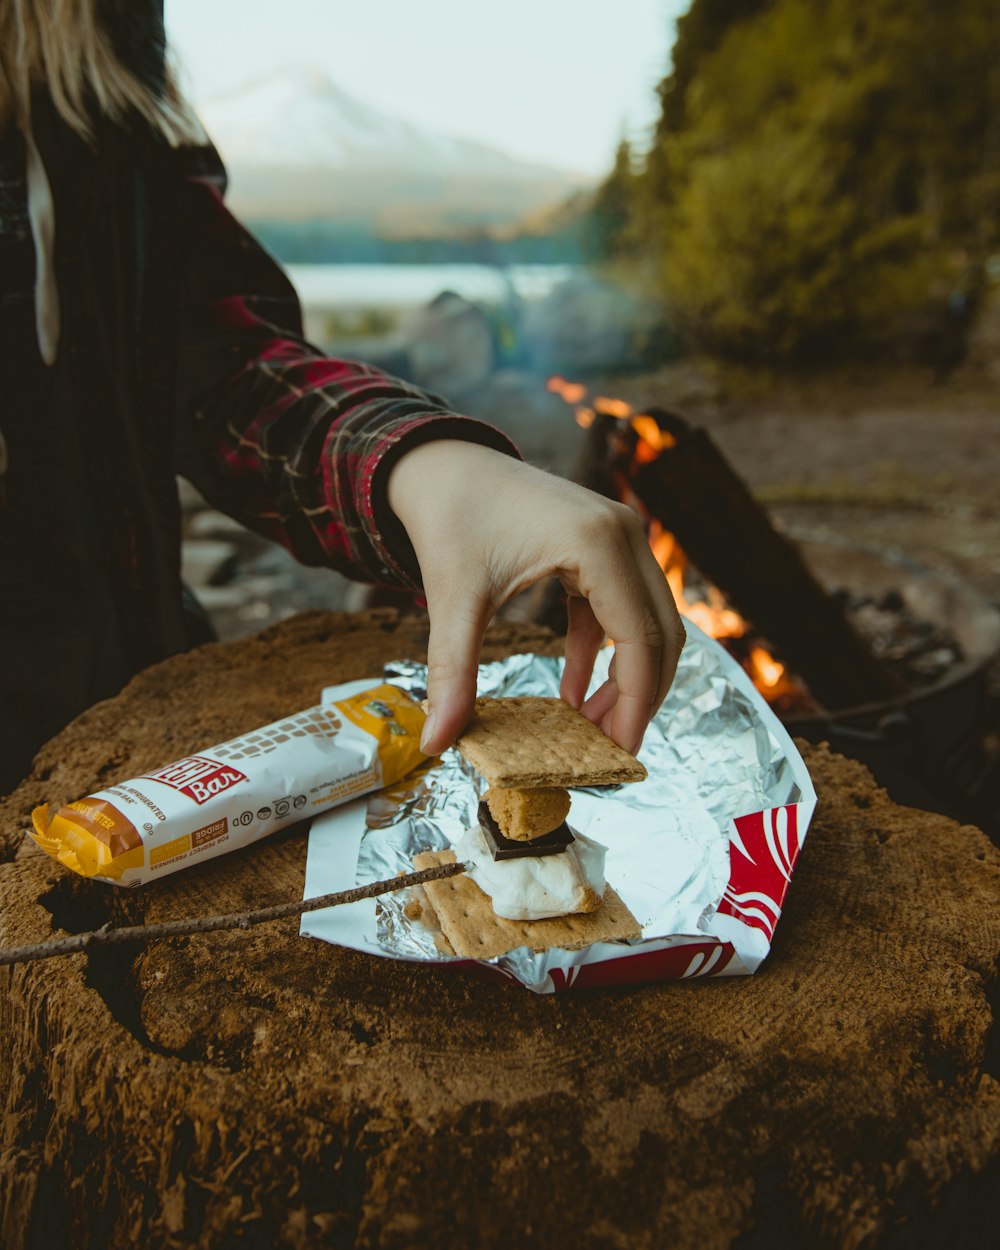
762 851
676 963
198 777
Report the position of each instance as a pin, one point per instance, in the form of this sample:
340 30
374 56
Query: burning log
699 510
681 479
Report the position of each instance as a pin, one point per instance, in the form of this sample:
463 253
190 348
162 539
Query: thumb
456 638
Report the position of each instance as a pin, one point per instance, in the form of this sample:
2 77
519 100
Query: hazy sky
559 81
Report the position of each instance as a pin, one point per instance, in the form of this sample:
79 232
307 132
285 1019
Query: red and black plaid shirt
181 352
296 445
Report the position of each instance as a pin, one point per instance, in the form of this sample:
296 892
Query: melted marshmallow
537 887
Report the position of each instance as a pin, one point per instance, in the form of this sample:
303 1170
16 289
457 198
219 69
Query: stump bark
261 1089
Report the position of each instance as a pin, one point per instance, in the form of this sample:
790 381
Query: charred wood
694 493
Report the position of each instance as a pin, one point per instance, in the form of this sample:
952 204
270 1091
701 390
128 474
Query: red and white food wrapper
702 852
237 792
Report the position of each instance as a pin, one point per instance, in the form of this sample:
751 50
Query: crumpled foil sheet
714 751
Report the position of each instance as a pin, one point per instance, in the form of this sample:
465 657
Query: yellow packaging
237 792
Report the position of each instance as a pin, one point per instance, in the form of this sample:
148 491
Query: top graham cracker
529 741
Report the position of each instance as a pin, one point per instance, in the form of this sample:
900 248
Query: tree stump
260 1089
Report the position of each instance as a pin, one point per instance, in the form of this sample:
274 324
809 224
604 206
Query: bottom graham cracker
475 931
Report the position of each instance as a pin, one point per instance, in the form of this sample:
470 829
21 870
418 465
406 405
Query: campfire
641 439
891 666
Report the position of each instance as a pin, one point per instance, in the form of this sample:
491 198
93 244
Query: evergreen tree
823 170
608 226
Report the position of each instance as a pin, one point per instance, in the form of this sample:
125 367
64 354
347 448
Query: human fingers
458 621
631 600
600 704
644 664
665 610
584 638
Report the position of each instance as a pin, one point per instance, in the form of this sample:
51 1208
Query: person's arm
295 445
348 467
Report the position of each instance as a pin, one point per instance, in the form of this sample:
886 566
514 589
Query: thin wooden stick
211 924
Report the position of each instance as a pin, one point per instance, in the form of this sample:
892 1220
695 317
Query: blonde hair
63 45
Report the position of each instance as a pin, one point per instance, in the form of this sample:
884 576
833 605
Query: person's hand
485 526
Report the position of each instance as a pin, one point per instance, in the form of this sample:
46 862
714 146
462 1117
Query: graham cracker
529 741
420 909
475 931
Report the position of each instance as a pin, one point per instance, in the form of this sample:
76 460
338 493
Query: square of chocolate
517 848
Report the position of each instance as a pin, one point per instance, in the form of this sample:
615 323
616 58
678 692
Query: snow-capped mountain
297 145
301 119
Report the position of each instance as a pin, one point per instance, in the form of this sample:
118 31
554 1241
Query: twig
211 924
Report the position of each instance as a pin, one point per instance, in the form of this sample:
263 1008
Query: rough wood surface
258 1089
188 926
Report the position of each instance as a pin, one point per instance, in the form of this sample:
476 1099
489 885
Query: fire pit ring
925 745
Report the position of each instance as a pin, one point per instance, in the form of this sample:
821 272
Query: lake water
379 286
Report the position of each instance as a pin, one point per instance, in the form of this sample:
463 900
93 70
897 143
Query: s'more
532 880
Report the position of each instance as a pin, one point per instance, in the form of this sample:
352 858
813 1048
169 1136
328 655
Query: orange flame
770 676
664 547
711 614
653 440
613 407
571 392
651 434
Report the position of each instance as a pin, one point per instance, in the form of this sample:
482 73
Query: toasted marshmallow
540 887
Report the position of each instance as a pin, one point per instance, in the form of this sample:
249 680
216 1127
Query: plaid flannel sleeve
296 446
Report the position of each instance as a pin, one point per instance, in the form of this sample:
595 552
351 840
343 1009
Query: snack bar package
230 795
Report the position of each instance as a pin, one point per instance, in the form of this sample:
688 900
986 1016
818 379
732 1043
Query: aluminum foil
714 752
